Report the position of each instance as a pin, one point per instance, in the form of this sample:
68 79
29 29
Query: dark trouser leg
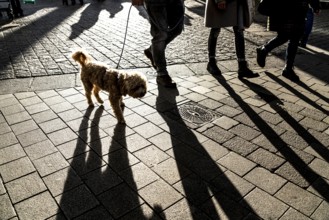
239 43
292 51
277 41
212 42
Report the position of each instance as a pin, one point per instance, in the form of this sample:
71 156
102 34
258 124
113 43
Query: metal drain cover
196 114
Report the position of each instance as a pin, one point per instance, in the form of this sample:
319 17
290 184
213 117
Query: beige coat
228 18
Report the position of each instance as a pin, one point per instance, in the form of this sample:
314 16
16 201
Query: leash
124 40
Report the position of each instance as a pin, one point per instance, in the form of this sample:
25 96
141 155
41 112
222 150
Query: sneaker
213 68
166 81
261 56
149 55
289 73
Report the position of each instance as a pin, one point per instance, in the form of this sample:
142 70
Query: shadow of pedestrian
102 192
298 164
206 185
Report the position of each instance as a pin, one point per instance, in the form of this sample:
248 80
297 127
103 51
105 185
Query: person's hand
137 2
222 5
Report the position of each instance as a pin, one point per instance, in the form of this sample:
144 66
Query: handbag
267 7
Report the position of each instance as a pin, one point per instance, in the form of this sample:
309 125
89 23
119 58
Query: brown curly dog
96 76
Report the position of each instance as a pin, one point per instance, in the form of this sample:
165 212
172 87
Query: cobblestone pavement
214 148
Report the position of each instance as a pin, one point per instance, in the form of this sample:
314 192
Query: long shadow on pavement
102 193
298 164
207 185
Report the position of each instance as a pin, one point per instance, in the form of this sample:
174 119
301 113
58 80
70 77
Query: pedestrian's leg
176 12
291 52
262 51
308 27
212 44
159 27
243 70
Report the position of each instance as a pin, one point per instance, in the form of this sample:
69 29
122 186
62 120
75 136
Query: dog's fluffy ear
81 57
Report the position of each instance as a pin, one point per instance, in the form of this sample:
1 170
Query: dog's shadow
102 192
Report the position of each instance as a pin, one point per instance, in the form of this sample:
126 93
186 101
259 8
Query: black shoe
302 45
289 73
261 56
166 81
213 68
245 72
149 55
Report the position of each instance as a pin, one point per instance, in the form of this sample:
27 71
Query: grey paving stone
50 164
232 185
219 135
17 117
86 162
46 94
2 187
120 200
36 108
163 141
213 150
236 163
161 193
302 200
220 206
320 167
61 107
120 159
265 205
8 101
44 116
12 109
41 149
294 140
314 124
30 101
184 210
102 179
40 207
134 142
76 201
73 148
245 132
24 95
62 136
265 180
322 211
210 104
171 171
4 128
54 100
31 137
75 98
195 189
270 117
300 175
21 166
25 187
70 115
52 125
134 120
11 153
62 181
225 122
148 130
240 146
96 213
151 155
293 214
143 212
7 209
228 111
24 127
266 159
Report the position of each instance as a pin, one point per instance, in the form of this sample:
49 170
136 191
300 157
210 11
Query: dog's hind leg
88 89
115 102
96 94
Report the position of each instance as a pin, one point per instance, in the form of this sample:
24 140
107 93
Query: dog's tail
81 57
